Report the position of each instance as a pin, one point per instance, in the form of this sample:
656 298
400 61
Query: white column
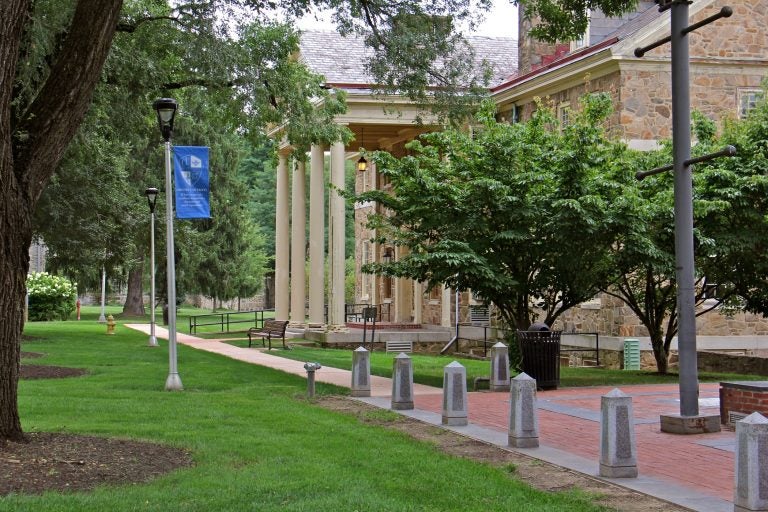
316 237
336 312
445 307
418 300
298 243
281 241
375 247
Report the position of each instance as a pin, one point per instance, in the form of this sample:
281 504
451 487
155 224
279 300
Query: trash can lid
538 326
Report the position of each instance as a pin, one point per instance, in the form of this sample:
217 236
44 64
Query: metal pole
152 337
681 142
173 382
102 318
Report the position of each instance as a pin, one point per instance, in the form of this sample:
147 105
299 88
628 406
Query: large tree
36 125
521 214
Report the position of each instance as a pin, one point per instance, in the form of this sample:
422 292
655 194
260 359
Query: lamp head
362 164
166 112
151 194
387 257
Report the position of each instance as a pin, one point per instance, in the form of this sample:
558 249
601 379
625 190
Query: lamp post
166 111
151 194
102 318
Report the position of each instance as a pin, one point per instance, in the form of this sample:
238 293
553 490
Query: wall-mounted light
388 256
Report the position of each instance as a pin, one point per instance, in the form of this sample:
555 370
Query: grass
257 443
428 369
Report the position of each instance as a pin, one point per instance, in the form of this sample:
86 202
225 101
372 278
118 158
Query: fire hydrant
111 324
311 369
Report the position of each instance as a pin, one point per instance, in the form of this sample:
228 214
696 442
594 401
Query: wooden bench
271 329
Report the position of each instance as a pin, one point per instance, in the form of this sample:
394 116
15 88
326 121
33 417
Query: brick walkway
694 471
569 421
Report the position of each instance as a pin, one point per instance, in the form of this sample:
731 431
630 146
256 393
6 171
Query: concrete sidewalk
692 471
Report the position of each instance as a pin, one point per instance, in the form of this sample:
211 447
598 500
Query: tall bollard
523 417
402 382
751 489
618 453
361 372
455 395
311 369
499 367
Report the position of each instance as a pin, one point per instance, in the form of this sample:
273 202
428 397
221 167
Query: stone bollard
111 324
402 382
618 453
751 461
311 369
361 372
499 367
455 395
523 416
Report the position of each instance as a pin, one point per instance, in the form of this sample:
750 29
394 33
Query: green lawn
257 443
428 369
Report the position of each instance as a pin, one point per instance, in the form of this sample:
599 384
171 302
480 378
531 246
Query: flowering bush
50 297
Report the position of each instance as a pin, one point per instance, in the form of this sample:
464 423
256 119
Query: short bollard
499 367
455 395
618 453
111 324
523 416
402 382
751 462
311 369
361 372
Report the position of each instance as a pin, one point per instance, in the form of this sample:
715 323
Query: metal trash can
631 354
540 350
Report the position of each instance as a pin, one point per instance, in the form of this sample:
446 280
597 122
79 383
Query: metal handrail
225 320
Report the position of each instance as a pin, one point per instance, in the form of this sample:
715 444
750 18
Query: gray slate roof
341 59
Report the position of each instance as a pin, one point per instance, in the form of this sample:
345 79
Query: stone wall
732 363
245 303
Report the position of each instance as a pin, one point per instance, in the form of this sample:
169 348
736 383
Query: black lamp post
166 111
151 194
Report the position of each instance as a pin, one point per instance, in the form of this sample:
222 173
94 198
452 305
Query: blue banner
192 185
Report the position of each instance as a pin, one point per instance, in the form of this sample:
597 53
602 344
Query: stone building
729 60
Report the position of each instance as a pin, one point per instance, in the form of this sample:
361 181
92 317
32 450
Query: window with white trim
748 99
564 114
365 281
583 41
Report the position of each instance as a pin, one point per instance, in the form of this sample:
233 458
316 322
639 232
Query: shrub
50 297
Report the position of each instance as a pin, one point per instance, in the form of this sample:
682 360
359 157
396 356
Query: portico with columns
299 295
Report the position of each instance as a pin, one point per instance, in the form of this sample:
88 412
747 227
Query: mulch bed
68 462
33 371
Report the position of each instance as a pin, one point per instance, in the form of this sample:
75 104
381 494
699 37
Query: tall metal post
689 421
152 338
102 318
173 382
684 262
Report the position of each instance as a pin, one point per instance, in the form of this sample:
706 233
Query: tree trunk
134 297
31 147
14 246
660 354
